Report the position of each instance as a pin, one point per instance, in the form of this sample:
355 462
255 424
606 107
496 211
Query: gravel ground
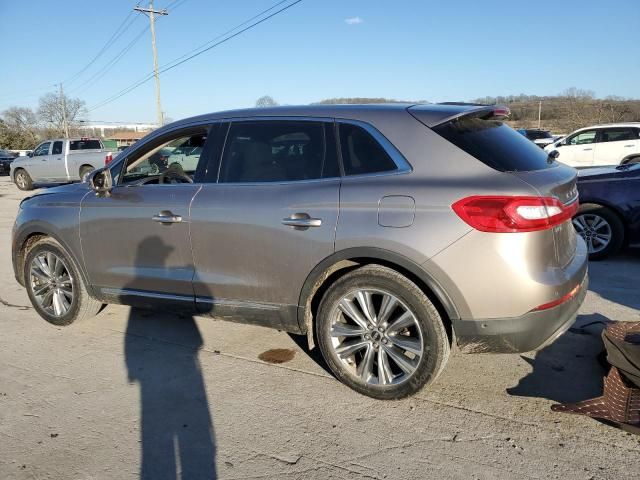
74 401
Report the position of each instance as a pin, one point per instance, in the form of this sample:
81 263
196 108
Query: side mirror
30 154
554 154
100 181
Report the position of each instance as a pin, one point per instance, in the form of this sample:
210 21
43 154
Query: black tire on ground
23 180
82 306
435 342
85 169
595 211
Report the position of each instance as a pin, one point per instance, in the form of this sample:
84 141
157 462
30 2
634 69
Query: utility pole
151 13
63 104
539 113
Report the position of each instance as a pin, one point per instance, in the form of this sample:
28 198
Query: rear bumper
532 331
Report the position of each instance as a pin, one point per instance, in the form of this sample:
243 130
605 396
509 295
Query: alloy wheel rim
595 231
21 180
51 284
376 337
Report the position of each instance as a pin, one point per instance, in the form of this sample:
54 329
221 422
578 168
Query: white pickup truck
58 161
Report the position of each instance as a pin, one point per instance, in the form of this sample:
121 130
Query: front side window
276 151
361 153
617 135
583 138
42 149
172 161
57 148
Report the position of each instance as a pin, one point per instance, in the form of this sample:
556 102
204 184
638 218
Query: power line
175 63
122 28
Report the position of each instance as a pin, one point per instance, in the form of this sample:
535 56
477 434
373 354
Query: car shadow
161 354
571 368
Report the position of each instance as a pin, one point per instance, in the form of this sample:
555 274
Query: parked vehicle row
609 215
383 233
600 145
58 161
5 161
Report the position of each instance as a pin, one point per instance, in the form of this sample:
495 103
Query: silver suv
387 234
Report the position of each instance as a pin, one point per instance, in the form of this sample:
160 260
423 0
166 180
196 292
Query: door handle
632 145
166 216
586 149
301 221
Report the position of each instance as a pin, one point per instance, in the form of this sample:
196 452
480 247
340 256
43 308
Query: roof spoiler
438 114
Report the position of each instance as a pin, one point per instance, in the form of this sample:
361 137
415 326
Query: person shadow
161 354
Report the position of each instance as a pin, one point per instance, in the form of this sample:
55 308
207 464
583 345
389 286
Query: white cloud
353 20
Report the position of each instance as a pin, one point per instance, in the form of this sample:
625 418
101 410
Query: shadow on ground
176 428
569 369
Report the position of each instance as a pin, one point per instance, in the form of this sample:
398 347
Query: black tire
434 339
585 216
81 307
22 179
85 169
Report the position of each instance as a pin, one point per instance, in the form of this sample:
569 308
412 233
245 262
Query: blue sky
431 50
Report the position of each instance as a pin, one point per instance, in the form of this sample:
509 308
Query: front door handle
629 146
301 221
165 216
586 149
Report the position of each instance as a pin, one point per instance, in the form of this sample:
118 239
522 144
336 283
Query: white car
600 145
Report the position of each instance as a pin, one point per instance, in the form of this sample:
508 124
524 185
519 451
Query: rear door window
361 153
494 143
57 148
617 135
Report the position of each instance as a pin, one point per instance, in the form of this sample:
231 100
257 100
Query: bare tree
266 101
22 123
53 108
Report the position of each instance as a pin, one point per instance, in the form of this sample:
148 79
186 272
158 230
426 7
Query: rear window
85 145
495 144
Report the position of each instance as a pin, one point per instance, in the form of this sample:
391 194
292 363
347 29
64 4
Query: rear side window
85 145
494 143
361 153
277 151
617 134
57 148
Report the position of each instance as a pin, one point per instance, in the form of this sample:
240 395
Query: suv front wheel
380 334
54 285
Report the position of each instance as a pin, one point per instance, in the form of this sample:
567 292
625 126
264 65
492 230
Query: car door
135 241
267 218
38 167
614 144
57 168
577 150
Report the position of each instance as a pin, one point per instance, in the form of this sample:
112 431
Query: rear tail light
108 159
506 214
501 112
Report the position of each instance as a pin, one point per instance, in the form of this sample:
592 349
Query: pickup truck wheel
85 169
54 285
380 334
23 180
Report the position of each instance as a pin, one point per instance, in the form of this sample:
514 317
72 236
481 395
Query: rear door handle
301 221
632 145
165 216
586 149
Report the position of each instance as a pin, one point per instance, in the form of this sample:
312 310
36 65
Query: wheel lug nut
367 337
380 329
385 341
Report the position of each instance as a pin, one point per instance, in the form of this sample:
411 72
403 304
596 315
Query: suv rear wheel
380 334
54 285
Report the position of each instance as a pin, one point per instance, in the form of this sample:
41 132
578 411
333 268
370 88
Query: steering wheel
178 175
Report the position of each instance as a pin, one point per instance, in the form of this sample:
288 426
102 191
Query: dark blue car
609 215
